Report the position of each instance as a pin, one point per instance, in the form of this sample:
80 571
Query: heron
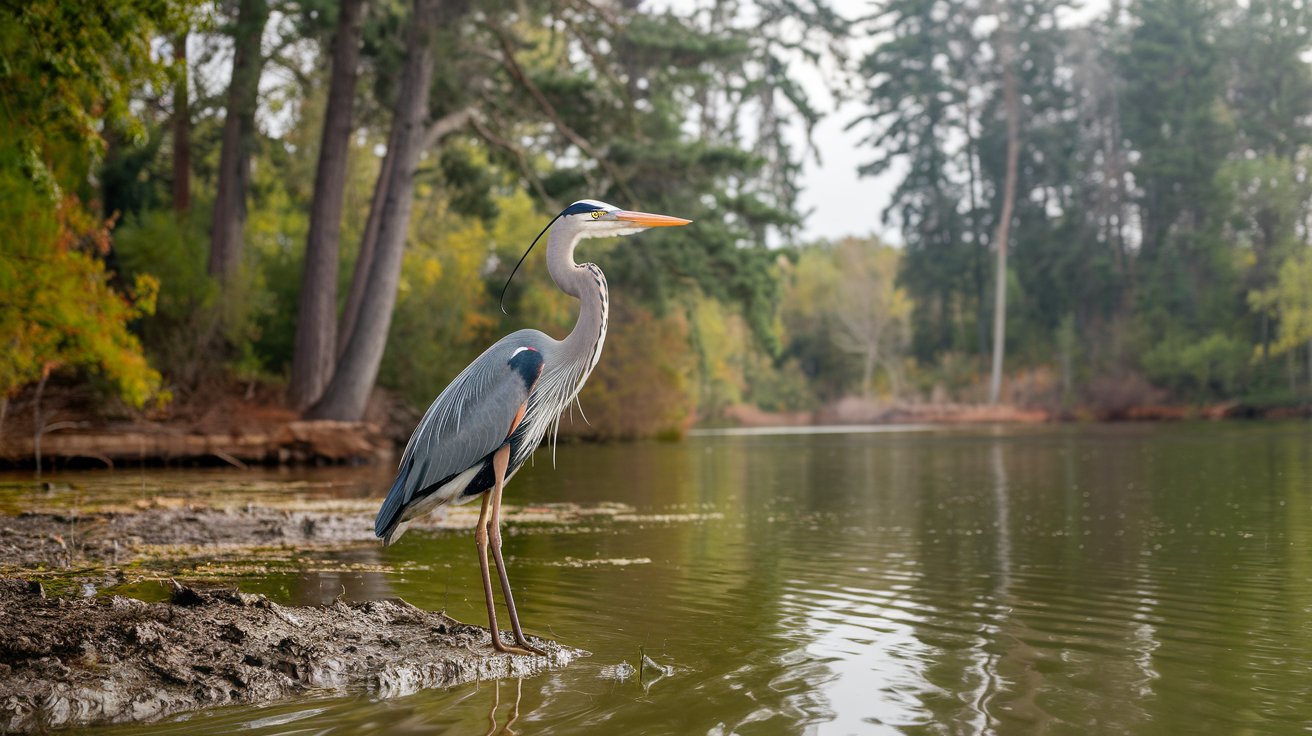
491 418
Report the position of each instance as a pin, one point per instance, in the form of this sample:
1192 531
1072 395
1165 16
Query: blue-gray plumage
483 427
460 433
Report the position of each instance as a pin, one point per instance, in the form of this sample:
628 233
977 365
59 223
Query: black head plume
573 209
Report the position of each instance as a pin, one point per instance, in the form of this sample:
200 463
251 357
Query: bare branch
524 167
508 56
446 125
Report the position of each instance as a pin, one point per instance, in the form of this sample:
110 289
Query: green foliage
847 323
807 315
635 127
777 385
443 316
1161 219
69 72
261 324
181 336
641 387
58 308
197 336
1162 183
1174 87
719 340
1211 367
1290 299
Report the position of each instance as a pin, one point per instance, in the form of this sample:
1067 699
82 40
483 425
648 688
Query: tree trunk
368 243
39 420
348 392
1012 102
238 140
181 131
441 128
868 374
977 259
316 318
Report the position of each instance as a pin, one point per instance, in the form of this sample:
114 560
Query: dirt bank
225 422
113 660
271 442
862 411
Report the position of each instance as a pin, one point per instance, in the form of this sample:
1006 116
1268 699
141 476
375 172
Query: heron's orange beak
649 220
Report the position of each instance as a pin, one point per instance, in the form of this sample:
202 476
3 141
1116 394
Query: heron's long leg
480 539
500 460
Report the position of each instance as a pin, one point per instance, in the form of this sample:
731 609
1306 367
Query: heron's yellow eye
596 214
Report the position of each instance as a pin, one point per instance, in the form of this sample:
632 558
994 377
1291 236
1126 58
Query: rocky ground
76 662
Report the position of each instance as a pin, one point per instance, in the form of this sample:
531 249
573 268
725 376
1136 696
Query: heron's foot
512 649
523 643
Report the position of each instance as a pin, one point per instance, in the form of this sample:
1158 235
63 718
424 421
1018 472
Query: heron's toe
512 649
535 650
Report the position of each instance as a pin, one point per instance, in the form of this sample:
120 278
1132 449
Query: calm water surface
1145 579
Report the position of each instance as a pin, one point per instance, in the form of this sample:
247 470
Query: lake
1067 579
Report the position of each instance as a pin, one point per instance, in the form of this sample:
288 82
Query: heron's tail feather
388 526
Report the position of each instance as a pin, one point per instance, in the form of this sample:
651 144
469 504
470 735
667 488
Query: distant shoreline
276 438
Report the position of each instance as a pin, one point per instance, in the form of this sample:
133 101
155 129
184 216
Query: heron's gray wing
469 420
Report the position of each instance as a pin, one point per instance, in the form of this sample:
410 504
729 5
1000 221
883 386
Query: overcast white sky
839 202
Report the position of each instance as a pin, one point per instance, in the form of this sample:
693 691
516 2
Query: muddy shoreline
69 661
102 660
35 543
70 657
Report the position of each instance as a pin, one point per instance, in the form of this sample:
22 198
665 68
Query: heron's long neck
585 282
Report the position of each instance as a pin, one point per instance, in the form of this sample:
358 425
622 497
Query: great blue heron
483 426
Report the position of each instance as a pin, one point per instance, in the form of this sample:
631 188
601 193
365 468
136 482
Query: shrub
1212 366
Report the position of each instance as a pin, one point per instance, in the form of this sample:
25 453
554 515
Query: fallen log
289 442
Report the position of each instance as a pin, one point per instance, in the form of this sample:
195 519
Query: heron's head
588 218
600 220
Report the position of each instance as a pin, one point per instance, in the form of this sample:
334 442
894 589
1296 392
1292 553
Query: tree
530 87
1011 103
238 140
917 106
316 323
1271 88
69 74
181 129
1173 91
1292 298
870 311
353 380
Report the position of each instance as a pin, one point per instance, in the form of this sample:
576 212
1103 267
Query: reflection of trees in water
1230 591
1001 537
976 582
1150 568
732 577
1009 664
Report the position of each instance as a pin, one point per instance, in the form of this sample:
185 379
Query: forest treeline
325 196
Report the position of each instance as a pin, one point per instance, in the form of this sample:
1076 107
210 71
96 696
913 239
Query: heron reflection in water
483 426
